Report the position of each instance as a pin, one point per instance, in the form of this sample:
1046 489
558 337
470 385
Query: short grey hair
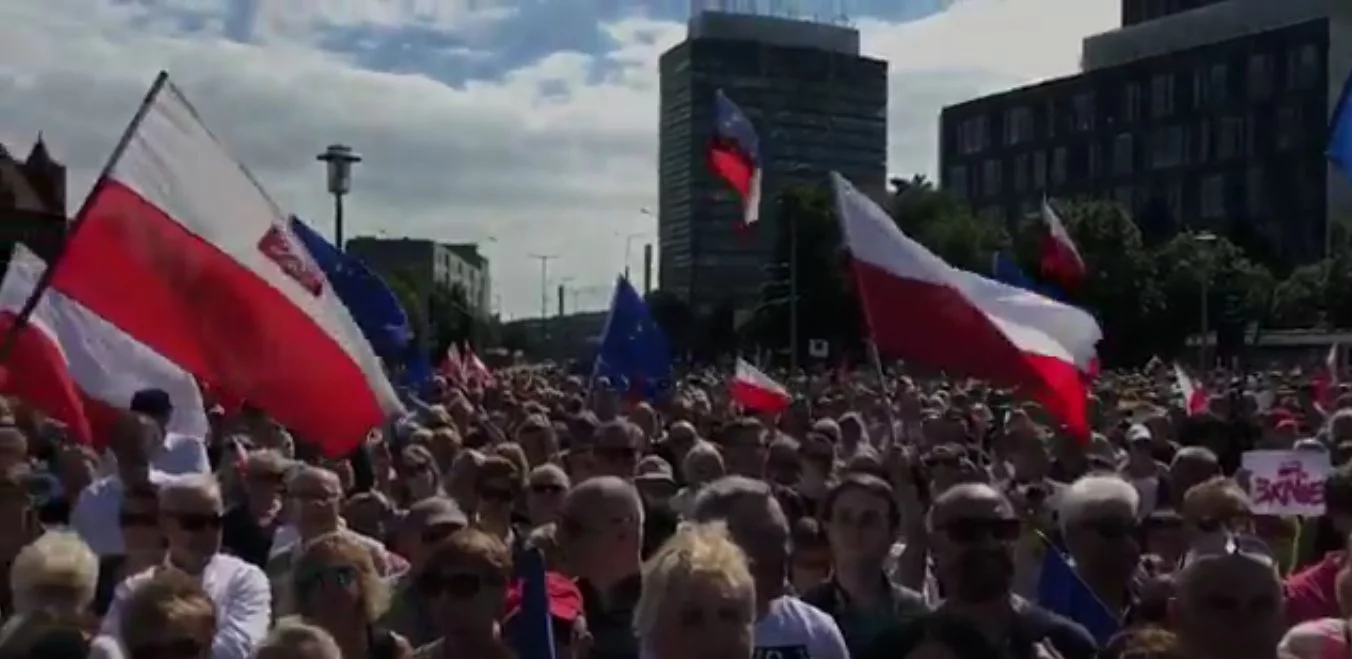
609 488
290 635
715 502
311 471
1090 492
200 485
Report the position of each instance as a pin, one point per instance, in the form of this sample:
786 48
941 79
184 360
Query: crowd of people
880 516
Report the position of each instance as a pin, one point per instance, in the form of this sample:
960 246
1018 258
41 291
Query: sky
527 126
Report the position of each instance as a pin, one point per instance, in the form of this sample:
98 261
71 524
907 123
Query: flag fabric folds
453 365
1193 394
757 392
1340 133
532 630
634 350
921 309
78 367
1325 381
1060 259
179 247
734 154
1061 591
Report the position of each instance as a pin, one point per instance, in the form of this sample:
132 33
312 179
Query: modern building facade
429 265
1212 116
32 202
817 105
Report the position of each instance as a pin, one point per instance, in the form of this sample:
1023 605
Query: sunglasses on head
196 522
972 530
127 519
181 648
342 576
1221 544
460 585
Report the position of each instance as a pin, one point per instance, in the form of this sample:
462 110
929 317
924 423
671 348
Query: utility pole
544 260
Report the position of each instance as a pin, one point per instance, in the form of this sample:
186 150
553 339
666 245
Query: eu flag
1006 271
633 348
1061 591
373 306
1340 133
532 631
734 154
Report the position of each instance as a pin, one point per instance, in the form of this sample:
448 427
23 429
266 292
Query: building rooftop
774 31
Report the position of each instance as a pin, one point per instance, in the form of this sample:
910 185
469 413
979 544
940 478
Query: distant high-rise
817 105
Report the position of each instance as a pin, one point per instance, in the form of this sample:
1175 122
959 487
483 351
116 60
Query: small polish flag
925 311
80 369
453 365
1060 259
756 391
476 370
1325 382
1194 395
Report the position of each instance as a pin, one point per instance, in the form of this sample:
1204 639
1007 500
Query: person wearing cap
1142 470
1228 599
424 525
178 453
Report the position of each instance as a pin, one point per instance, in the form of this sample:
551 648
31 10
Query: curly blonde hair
340 548
698 552
57 571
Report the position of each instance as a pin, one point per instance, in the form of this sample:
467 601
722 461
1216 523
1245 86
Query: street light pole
544 260
339 158
1204 240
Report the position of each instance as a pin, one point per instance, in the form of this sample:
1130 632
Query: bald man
601 531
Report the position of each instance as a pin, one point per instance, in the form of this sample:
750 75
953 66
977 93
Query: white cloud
549 159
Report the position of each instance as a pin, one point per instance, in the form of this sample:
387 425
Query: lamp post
339 158
544 260
1204 241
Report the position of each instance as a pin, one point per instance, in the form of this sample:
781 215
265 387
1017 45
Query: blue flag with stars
634 352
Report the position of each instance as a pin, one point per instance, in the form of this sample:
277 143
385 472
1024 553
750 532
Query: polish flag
756 391
1194 395
79 368
477 371
1325 382
1060 260
453 365
179 247
925 311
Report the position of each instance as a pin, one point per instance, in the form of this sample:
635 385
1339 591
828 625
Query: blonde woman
698 598
52 581
168 615
297 640
336 587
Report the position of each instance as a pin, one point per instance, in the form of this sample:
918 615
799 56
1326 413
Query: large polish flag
756 391
921 309
180 247
78 367
1060 260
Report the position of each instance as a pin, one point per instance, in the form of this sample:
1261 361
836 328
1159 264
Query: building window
1204 142
1131 101
990 177
1260 75
1213 197
1094 158
1051 118
1218 83
1021 172
1288 126
957 181
1122 195
1123 148
1302 67
1084 111
1039 170
1230 142
1174 200
1162 95
973 135
1255 191
1018 126
1059 165
1166 147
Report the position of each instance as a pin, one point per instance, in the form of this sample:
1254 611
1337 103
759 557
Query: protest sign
1287 482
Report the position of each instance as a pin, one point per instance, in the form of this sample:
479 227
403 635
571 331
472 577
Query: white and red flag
78 367
453 365
925 311
1325 382
475 369
756 391
1059 260
1194 395
179 247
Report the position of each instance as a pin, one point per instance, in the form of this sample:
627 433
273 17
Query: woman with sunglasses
336 587
465 581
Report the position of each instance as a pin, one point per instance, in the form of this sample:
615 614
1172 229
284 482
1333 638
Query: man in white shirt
180 453
190 514
95 516
786 626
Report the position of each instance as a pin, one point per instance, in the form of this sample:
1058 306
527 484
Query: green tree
674 316
945 225
1237 290
1299 301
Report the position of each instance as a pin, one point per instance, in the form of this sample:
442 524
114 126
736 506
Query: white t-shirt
794 629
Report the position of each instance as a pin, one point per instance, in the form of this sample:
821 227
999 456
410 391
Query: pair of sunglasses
199 522
547 488
459 585
972 530
342 576
128 520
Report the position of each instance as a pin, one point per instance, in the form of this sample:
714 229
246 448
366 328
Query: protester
465 580
336 587
698 599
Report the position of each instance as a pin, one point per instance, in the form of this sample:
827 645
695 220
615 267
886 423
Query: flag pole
11 336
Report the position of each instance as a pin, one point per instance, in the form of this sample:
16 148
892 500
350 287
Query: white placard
1287 482
819 348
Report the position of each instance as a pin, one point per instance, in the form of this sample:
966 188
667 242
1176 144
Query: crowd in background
887 515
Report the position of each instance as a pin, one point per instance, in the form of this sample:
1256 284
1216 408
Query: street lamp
1204 241
628 246
339 158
